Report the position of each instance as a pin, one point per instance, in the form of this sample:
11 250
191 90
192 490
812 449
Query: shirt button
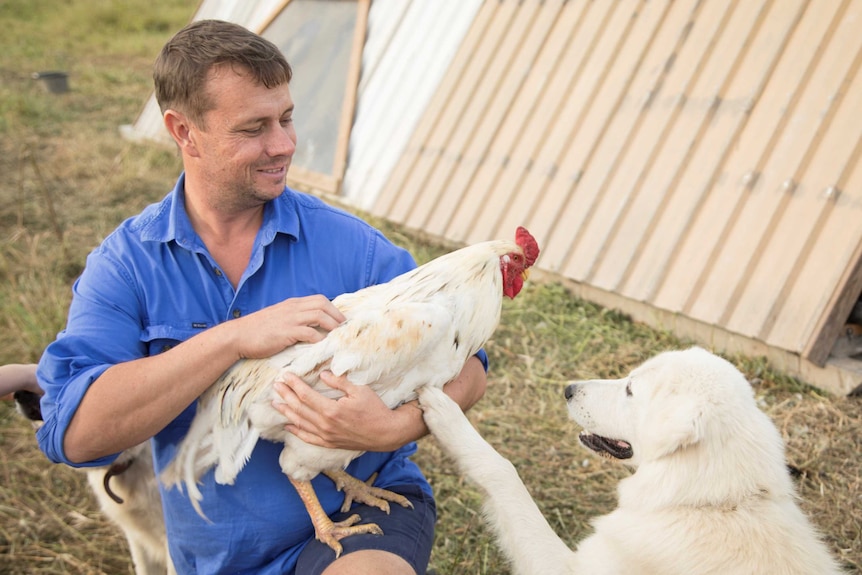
217 272
236 313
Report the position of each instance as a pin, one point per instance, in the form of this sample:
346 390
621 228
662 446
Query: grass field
68 179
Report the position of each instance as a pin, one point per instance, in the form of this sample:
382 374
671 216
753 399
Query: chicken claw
364 492
328 531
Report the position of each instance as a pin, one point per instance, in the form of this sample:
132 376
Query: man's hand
357 421
295 320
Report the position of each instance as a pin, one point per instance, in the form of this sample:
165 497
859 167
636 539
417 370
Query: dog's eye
629 388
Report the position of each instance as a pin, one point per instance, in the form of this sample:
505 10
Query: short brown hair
181 69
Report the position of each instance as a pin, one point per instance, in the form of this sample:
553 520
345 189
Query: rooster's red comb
528 243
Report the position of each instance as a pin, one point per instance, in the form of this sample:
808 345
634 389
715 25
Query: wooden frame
319 178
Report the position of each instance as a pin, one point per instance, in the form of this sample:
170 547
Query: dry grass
48 520
68 179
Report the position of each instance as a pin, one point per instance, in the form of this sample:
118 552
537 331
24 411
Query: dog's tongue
616 448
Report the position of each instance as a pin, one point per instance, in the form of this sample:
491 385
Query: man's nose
282 141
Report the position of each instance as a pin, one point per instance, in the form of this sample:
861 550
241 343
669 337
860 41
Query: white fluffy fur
140 514
711 494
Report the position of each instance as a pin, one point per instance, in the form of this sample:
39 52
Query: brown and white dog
128 494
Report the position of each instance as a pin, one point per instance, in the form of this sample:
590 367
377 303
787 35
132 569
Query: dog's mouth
614 448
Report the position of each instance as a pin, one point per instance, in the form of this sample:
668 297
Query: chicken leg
325 530
364 491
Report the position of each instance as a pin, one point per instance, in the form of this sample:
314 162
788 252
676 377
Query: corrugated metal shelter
692 162
695 163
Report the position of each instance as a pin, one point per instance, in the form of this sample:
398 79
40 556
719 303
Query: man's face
247 141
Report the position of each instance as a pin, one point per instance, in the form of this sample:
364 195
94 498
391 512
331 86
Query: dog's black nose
570 391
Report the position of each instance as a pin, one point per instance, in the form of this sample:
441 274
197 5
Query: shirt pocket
159 338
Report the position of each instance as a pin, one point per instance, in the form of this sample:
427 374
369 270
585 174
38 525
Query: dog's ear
674 427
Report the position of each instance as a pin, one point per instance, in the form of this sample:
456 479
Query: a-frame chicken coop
694 163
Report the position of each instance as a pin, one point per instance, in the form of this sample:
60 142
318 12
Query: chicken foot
364 491
325 530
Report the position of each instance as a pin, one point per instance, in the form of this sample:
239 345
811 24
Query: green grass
68 176
68 179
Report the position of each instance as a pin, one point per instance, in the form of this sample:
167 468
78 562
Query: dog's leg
143 527
522 532
144 562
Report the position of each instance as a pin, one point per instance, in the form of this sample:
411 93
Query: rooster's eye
629 388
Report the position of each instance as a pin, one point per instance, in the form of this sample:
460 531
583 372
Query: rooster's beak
525 275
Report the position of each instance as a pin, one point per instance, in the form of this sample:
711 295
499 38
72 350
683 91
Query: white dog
711 493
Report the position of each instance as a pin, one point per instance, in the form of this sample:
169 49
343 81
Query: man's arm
360 420
132 401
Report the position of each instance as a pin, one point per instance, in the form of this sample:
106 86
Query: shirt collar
171 221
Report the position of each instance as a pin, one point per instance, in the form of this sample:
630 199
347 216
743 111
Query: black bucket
54 82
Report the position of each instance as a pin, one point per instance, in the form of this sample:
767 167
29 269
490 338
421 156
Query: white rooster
417 329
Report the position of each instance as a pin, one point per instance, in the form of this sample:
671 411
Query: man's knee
370 562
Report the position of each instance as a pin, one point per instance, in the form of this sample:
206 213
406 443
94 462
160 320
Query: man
231 264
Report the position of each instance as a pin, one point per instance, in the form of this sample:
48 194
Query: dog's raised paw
435 405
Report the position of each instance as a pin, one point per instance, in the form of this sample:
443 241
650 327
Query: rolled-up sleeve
103 329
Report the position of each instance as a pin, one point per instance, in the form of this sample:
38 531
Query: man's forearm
130 402
133 401
466 389
469 386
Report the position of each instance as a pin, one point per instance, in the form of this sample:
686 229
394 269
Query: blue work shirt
153 284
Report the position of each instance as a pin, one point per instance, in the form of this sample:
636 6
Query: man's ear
180 129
